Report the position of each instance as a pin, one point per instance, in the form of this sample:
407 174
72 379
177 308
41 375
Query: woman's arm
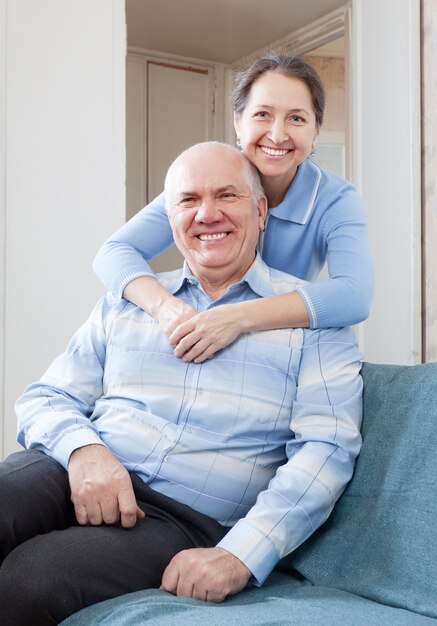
203 335
122 265
125 255
345 298
147 293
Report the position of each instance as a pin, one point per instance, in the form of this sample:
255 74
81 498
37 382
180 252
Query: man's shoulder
272 282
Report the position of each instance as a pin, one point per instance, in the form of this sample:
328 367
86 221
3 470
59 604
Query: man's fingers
128 507
170 578
81 514
110 510
140 513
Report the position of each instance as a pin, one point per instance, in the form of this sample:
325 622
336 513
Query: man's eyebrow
183 194
229 187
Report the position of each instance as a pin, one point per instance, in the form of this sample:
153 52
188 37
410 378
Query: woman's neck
276 187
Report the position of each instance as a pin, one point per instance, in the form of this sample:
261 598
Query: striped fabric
262 437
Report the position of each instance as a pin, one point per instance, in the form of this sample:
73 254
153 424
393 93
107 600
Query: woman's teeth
273 152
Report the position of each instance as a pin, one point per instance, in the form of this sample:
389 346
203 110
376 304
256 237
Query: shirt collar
301 195
261 279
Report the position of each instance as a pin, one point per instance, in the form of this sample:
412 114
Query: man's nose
208 212
278 132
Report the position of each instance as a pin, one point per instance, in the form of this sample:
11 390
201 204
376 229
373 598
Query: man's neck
215 282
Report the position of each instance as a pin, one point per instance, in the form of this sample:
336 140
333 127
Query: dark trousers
51 567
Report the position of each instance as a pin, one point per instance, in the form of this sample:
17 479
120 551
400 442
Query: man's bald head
216 150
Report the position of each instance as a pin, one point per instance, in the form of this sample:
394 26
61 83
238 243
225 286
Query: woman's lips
275 152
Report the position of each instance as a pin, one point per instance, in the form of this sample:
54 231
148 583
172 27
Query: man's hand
209 574
199 338
101 488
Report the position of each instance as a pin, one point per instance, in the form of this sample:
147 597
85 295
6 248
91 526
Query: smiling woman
313 217
277 135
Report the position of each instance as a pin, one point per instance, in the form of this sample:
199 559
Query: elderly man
143 470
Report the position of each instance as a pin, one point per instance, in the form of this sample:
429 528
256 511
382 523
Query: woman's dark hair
293 66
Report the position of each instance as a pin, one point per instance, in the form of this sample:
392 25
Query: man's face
215 220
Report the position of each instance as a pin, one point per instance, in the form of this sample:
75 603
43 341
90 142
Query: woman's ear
236 123
316 136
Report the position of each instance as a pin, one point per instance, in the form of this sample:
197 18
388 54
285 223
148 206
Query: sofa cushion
381 540
282 600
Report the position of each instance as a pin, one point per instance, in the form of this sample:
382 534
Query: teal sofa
373 563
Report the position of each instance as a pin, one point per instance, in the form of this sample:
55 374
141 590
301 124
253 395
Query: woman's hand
147 293
201 336
172 313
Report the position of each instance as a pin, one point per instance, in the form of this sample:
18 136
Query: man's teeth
273 152
212 236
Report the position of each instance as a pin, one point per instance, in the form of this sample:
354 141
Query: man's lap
80 565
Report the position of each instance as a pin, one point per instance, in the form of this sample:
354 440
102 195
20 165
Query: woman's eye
297 119
261 114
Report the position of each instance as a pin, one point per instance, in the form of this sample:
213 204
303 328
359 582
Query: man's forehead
208 174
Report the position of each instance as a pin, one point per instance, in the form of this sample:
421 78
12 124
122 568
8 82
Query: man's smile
210 236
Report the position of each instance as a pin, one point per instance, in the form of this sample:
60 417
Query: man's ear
263 207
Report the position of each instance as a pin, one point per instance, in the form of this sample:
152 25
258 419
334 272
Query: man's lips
275 152
212 236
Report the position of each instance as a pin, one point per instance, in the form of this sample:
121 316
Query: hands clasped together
198 336
102 493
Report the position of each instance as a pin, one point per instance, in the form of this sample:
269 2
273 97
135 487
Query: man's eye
228 195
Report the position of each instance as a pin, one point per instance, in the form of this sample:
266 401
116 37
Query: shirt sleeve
345 298
54 413
321 453
125 255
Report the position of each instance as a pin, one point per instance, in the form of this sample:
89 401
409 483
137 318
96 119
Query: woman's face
277 129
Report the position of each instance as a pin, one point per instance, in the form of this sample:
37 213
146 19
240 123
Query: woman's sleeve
125 255
345 298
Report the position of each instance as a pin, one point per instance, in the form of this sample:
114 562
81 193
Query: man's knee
31 588
34 498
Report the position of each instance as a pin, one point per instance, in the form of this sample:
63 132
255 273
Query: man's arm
325 421
53 416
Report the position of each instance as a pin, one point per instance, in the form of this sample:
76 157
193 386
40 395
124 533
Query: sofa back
381 540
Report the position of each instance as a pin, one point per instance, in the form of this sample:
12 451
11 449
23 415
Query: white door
169 107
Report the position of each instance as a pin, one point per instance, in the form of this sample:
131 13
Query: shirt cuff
253 548
315 305
64 448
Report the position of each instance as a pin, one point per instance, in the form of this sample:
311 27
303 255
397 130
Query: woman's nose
278 132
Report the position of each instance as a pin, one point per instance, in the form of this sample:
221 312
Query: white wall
385 72
65 173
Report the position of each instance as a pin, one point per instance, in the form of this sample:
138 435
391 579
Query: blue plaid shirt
263 437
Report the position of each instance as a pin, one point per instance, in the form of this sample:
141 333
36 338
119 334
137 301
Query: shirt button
166 459
188 429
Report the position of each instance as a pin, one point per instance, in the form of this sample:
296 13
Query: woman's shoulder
333 192
328 181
